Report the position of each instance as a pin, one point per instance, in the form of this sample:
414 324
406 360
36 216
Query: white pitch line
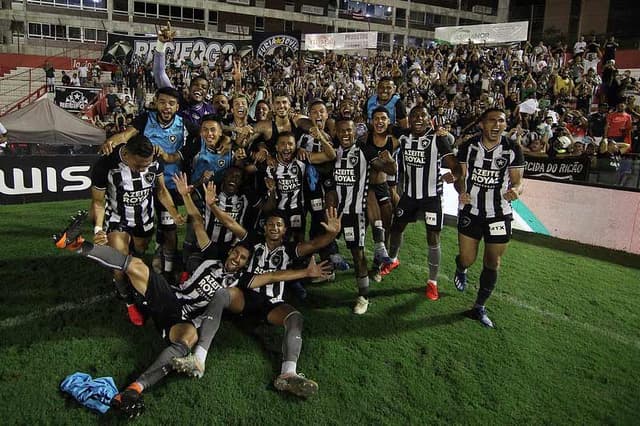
554 315
64 307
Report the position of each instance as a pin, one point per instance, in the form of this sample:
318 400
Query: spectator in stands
75 81
610 49
580 46
618 126
66 80
50 75
83 72
3 139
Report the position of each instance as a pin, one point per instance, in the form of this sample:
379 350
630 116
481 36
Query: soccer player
285 181
177 313
349 196
492 167
267 301
387 98
170 132
125 185
422 149
195 107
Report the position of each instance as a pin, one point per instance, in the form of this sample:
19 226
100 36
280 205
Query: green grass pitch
566 349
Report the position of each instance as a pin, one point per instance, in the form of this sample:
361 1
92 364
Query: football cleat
479 313
129 402
135 316
388 267
381 257
70 238
188 365
296 384
432 290
460 280
362 304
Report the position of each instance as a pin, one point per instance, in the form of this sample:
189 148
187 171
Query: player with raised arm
492 168
266 302
422 149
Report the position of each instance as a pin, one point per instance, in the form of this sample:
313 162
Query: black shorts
381 190
165 220
495 230
354 229
258 305
137 231
430 209
162 304
296 219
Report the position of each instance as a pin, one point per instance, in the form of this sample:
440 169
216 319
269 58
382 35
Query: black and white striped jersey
419 161
488 175
351 177
235 206
265 260
196 293
289 180
129 195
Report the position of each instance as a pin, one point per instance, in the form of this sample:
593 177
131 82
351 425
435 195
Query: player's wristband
97 229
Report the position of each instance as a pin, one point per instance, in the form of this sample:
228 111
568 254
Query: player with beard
195 106
170 133
492 168
350 184
422 149
266 302
387 98
177 313
285 181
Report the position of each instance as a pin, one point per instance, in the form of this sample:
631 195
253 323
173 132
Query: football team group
248 189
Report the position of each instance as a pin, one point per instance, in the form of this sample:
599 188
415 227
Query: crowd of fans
559 101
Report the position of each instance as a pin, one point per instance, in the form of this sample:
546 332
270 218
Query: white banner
341 41
485 33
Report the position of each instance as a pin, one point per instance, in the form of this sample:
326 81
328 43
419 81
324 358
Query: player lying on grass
177 313
268 305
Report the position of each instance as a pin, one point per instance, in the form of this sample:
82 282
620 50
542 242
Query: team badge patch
353 159
173 138
149 177
399 212
276 260
501 162
465 221
221 162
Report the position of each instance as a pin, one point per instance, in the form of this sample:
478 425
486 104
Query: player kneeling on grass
492 167
177 313
422 149
266 301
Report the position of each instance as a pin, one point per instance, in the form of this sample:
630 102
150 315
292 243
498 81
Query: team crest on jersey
221 162
353 159
501 162
173 138
423 142
399 212
276 260
294 169
465 221
149 177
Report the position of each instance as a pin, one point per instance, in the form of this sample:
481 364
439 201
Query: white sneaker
362 304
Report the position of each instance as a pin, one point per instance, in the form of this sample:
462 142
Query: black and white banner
45 178
136 50
75 99
568 168
273 44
